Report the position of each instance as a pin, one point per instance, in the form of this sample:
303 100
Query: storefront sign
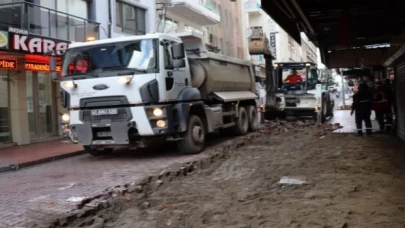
273 48
40 67
11 64
20 40
8 64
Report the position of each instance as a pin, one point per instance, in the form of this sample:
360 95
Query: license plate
292 101
104 112
103 134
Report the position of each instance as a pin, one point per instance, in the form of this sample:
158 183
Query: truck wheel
242 123
95 152
193 141
331 106
252 117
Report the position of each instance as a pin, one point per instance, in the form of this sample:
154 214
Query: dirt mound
236 186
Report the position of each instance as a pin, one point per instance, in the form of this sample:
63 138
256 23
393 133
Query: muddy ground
352 182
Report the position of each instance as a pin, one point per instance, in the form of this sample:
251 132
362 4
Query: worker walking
380 104
362 104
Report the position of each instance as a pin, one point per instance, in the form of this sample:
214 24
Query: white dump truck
131 91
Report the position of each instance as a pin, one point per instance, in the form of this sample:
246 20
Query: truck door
175 79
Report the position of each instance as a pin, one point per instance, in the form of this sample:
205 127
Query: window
129 19
137 55
168 57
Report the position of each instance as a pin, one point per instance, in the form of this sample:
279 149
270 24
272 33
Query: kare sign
22 41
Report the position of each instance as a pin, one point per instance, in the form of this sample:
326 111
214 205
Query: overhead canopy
334 25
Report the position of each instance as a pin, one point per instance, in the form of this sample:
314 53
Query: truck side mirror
52 64
178 51
179 63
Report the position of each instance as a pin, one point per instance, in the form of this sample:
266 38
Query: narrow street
349 182
53 188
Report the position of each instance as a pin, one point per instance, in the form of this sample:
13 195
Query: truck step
228 125
228 113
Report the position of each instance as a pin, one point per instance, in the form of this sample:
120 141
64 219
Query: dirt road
352 182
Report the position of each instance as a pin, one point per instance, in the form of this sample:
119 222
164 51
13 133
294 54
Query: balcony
198 11
253 8
47 22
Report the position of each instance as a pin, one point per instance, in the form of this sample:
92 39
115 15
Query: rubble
140 192
278 127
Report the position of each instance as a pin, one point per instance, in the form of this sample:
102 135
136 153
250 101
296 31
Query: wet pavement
45 189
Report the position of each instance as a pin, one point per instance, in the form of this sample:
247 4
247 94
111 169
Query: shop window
5 135
130 19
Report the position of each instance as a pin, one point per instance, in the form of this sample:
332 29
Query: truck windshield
138 56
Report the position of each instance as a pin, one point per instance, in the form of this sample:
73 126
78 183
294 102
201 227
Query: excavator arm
259 45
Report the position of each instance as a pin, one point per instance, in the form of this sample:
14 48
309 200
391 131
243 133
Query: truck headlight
157 112
161 123
69 84
124 80
66 117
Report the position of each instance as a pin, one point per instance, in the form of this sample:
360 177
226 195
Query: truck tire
242 122
95 152
252 117
331 107
193 141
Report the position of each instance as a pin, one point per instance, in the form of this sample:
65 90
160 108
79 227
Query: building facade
284 48
123 17
214 19
226 37
29 100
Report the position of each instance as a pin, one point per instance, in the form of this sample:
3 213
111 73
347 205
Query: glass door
5 135
40 105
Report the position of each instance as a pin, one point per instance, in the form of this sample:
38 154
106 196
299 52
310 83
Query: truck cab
301 90
129 92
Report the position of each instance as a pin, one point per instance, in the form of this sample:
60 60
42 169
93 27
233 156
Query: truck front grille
122 115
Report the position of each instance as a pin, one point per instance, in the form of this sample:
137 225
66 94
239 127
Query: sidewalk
348 123
17 157
348 100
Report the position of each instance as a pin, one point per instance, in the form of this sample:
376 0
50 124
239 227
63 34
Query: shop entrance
41 106
5 135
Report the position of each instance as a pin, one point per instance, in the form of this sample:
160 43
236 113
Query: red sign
8 64
40 67
11 64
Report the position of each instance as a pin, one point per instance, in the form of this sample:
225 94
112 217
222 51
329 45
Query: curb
16 167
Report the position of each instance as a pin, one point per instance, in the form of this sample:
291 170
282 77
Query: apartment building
283 46
29 100
123 17
217 20
227 37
